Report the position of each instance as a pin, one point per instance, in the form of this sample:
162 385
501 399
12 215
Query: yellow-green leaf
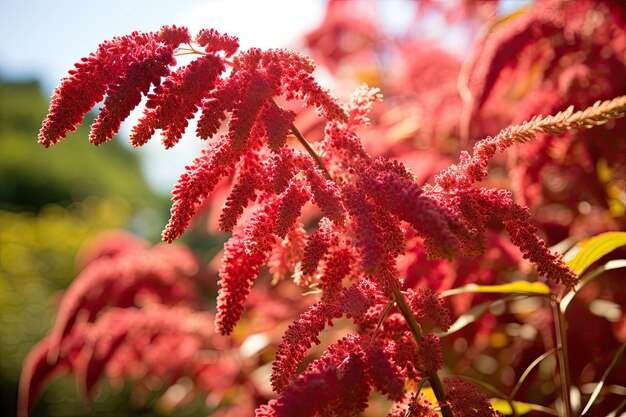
590 276
504 407
429 393
517 287
587 251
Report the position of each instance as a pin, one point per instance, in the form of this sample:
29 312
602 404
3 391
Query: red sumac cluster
373 238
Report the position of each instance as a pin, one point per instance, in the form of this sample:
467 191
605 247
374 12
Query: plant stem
561 342
433 377
307 146
416 331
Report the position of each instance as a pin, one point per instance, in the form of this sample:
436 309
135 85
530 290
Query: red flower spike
332 376
385 375
297 340
359 299
173 35
243 256
88 82
483 204
291 202
288 254
361 103
176 100
344 144
309 394
249 180
213 41
248 60
431 358
318 245
404 354
238 271
279 64
525 236
404 199
353 387
277 124
336 268
465 399
256 89
369 236
290 73
125 94
393 233
306 88
38 371
419 407
396 168
428 306
214 107
196 184
260 230
281 168
471 168
326 194
118 280
387 277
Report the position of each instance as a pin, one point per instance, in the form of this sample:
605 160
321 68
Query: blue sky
42 39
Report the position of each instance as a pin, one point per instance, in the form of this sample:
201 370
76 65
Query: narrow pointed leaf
614 264
521 408
590 250
518 287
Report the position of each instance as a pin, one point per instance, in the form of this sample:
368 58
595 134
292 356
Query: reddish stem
433 377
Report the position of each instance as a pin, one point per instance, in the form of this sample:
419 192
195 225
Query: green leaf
517 287
614 264
504 407
520 407
587 251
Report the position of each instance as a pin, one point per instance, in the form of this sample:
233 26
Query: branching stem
416 331
307 146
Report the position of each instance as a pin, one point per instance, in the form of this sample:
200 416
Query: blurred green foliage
51 201
37 254
32 176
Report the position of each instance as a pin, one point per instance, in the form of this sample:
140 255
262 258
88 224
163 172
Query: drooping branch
307 146
473 168
416 331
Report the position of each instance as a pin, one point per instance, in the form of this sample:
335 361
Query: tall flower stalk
365 209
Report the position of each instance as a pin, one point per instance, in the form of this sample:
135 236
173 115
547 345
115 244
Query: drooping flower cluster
465 400
123 69
576 52
134 314
342 378
359 212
